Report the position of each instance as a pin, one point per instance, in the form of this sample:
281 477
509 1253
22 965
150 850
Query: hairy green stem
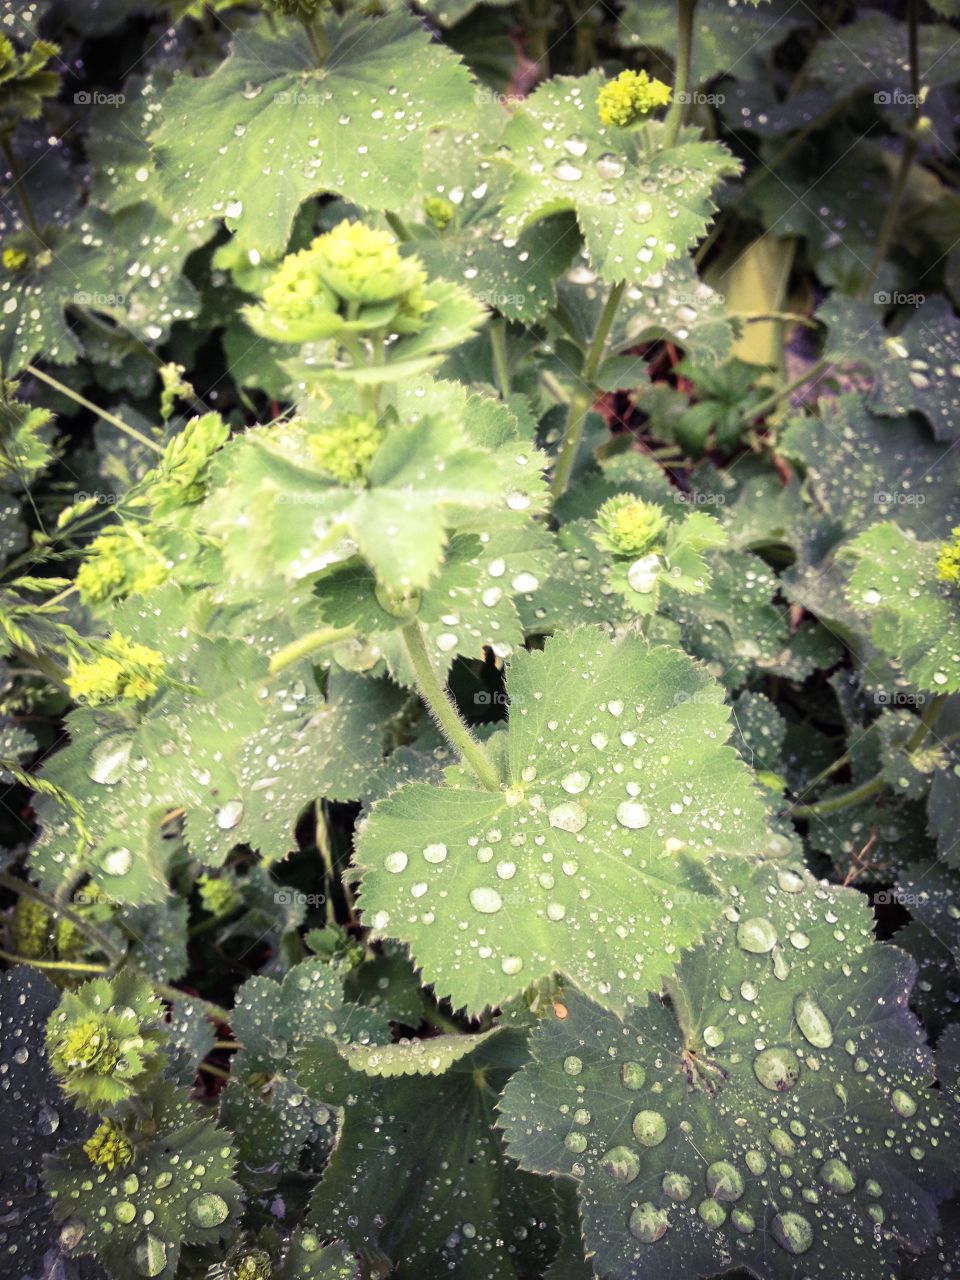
214 1011
585 394
686 10
501 367
443 709
319 44
105 414
775 397
398 226
64 966
307 644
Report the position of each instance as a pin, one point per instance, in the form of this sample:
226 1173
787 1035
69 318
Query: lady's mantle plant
472 720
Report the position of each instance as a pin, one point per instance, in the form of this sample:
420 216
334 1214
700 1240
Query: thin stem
398 226
326 856
584 396
214 1011
105 414
209 1069
874 785
772 400
319 44
64 966
444 711
11 159
501 368
906 156
682 1008
307 644
681 80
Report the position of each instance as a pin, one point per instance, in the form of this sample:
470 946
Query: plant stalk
443 709
584 396
105 414
686 10
501 367
307 644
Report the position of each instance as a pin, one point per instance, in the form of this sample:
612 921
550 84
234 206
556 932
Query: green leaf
637 211
917 368
773 1113
512 274
916 617
226 744
178 1189
301 521
35 1118
355 127
468 1211
431 1057
871 53
128 266
264 1104
617 782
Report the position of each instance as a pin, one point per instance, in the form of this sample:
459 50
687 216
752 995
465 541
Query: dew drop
776 1069
813 1022
486 901
632 815
756 935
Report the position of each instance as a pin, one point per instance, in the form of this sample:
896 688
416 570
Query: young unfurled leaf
617 781
772 1112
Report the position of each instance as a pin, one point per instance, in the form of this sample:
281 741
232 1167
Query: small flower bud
439 210
629 526
948 561
346 449
109 1146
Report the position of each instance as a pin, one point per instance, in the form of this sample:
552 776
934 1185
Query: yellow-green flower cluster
346 449
120 562
180 479
104 1038
109 1146
351 280
255 1265
439 210
15 259
123 671
35 933
218 894
630 98
948 561
629 526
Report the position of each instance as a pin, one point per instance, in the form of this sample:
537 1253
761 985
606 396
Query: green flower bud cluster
109 1146
439 210
218 894
35 933
295 8
346 449
630 98
255 1265
122 671
351 280
629 526
15 259
104 1040
120 562
948 561
180 479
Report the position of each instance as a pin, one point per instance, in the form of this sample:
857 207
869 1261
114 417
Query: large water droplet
621 1164
756 935
777 1069
208 1210
117 862
568 817
649 1128
576 782
792 1232
813 1022
150 1256
109 758
632 1075
837 1176
486 901
724 1181
632 815
229 815
647 1223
